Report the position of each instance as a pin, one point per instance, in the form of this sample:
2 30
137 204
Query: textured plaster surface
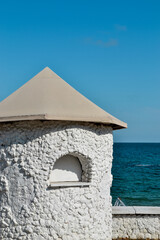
136 226
29 209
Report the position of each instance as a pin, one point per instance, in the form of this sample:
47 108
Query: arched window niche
70 170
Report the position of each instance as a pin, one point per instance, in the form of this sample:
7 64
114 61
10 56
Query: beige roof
48 97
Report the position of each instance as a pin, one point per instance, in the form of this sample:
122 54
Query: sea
136 174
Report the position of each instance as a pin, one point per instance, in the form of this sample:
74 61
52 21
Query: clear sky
108 50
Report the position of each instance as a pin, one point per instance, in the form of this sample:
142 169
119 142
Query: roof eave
48 117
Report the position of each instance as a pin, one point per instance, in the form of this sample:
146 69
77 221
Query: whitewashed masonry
30 208
136 222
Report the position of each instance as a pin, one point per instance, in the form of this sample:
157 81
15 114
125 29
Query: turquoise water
136 174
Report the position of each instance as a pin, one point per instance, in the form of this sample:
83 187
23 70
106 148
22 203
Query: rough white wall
136 225
31 210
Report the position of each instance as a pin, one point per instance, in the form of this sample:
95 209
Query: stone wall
29 208
136 223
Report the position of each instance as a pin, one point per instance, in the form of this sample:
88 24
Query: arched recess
71 170
67 169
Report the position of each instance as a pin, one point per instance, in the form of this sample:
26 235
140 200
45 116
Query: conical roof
48 97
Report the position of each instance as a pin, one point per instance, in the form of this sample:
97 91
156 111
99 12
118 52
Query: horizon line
136 142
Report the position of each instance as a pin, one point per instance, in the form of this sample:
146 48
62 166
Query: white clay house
55 163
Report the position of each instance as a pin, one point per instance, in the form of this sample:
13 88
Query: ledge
123 210
135 210
68 184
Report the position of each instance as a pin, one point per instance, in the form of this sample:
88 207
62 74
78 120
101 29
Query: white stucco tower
55 163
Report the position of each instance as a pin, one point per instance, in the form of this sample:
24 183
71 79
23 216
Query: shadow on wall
44 127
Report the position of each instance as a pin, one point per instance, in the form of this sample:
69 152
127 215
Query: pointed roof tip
45 73
46 69
49 71
51 99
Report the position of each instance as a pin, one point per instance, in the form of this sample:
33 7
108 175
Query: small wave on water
147 165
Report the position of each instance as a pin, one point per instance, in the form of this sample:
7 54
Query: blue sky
108 50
